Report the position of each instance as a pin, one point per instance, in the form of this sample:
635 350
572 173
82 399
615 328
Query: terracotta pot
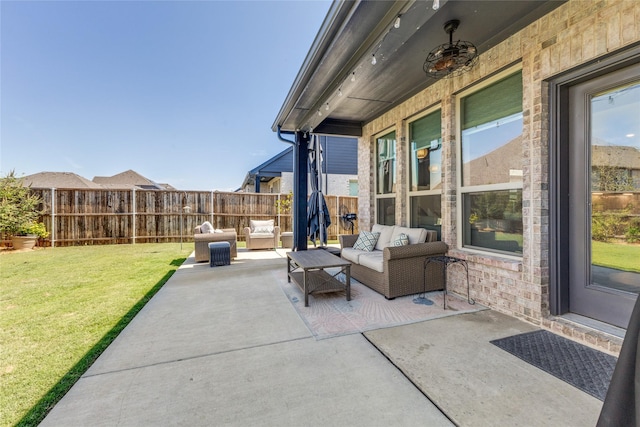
24 242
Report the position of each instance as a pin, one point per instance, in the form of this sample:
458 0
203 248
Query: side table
446 261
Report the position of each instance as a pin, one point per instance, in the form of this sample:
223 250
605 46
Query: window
386 178
353 187
425 181
491 124
426 150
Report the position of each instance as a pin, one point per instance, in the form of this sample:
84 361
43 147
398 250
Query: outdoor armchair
201 241
262 234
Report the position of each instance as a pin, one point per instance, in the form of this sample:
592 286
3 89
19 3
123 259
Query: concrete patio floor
224 346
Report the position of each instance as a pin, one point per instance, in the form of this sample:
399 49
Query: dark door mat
581 366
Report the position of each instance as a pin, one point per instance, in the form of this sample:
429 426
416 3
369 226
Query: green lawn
619 256
60 308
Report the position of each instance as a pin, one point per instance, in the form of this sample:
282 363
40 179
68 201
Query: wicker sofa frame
404 272
202 240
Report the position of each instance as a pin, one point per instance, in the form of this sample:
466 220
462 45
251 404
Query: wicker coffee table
312 277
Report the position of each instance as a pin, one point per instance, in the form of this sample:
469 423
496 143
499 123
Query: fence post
337 211
53 217
279 206
212 207
133 216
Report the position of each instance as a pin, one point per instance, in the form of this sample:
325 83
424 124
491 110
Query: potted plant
27 236
19 212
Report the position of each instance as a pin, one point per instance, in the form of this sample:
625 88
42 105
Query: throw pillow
401 240
366 241
206 227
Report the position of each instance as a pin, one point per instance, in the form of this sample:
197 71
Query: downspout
299 222
285 140
293 188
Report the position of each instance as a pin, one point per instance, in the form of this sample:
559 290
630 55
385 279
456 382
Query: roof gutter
318 49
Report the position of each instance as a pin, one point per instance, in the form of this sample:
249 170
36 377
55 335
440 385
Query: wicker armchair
262 235
201 241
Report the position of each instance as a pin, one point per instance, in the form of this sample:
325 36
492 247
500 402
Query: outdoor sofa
396 271
204 234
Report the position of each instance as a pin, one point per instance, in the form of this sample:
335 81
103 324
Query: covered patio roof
338 89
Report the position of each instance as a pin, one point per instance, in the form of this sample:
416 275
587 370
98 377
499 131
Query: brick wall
575 33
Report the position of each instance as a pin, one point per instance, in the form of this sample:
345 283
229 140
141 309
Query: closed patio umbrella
317 211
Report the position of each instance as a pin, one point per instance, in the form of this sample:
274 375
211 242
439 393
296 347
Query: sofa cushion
373 260
206 227
352 255
385 235
366 241
261 226
416 235
401 240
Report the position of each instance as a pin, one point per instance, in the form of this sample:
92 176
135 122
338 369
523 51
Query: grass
60 308
619 256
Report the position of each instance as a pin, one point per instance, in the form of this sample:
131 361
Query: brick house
498 156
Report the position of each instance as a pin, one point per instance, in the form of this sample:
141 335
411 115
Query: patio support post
300 187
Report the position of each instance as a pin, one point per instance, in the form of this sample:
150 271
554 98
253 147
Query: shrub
603 227
18 206
633 234
36 228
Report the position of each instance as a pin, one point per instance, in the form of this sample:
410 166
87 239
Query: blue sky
183 92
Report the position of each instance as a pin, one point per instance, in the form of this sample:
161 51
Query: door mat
330 314
588 369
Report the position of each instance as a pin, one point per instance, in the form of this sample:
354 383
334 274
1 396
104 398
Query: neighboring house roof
620 156
122 181
130 179
340 157
281 162
504 164
58 180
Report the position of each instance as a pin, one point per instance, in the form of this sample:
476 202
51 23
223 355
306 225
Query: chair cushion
366 241
261 235
261 226
206 227
401 240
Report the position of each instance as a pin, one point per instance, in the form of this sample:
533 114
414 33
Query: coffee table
312 277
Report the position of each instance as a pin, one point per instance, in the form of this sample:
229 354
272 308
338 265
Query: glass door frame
559 118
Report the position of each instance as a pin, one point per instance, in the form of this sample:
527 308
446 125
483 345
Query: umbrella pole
320 207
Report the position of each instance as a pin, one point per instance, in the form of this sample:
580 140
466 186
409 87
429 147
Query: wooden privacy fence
93 217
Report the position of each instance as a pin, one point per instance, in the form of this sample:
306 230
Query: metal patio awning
338 89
